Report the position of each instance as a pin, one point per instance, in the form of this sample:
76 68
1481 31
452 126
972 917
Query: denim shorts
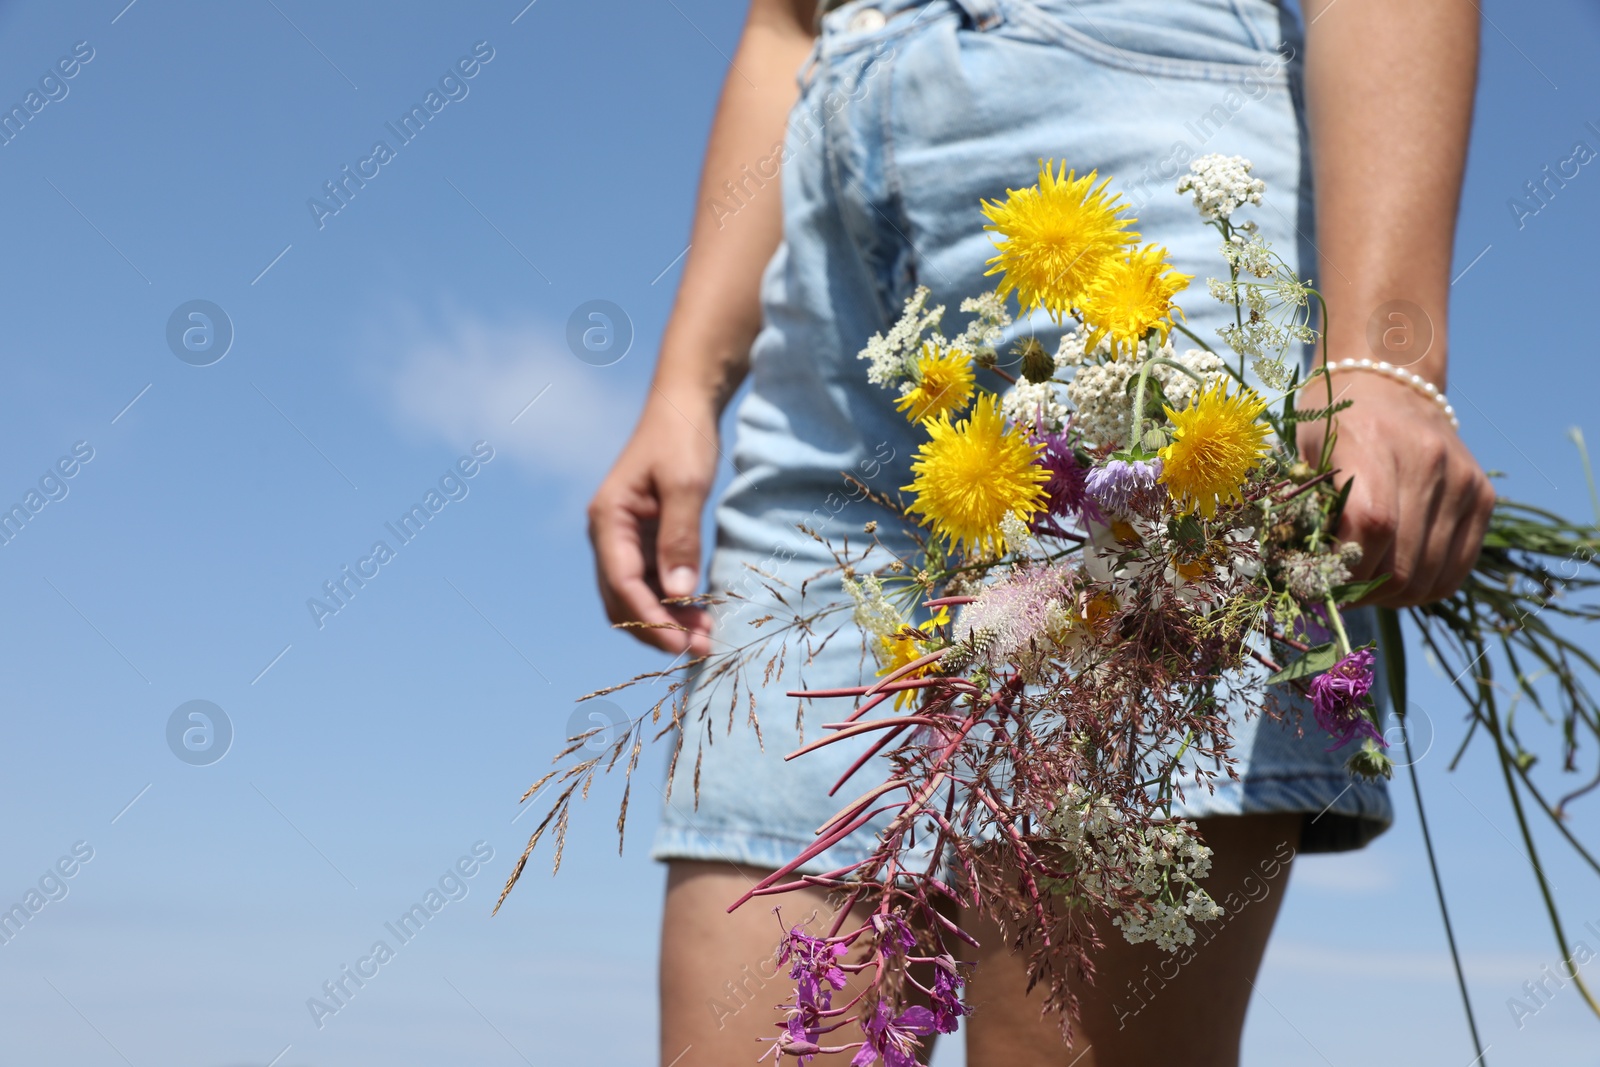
910 112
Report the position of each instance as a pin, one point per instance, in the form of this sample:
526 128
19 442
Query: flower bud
1371 762
1037 364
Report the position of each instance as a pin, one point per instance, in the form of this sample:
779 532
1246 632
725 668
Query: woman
905 113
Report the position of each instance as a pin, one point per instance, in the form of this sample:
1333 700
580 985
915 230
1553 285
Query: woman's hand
644 523
1420 503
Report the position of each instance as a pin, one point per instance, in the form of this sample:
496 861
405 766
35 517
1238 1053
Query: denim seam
894 190
846 850
1262 42
1024 12
850 221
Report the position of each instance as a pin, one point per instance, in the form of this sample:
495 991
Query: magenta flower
799 1037
947 1006
1065 491
894 935
1120 485
1339 697
896 1039
813 964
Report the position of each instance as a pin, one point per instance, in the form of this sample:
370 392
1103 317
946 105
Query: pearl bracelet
1400 374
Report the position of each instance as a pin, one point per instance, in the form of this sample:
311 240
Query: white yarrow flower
1015 531
1274 373
1070 352
890 355
1178 386
1099 392
1035 404
877 617
1220 185
990 319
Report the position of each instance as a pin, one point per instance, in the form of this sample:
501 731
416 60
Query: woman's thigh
720 978
721 982
1147 1006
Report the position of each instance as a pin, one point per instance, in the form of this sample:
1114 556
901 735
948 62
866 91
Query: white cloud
474 380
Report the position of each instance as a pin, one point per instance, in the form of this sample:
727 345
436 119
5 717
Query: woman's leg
719 972
1148 1006
720 978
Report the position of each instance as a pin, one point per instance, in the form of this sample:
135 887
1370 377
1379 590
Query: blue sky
370 354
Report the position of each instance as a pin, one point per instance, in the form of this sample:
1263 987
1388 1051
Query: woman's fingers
1371 513
618 536
644 523
1427 519
682 495
1475 499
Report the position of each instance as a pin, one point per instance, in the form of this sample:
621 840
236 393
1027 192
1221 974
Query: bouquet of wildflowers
1118 542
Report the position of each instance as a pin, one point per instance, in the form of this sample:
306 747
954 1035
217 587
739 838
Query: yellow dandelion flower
944 383
971 474
1132 296
1057 237
1216 442
908 646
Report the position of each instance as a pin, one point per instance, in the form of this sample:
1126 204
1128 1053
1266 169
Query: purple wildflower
1120 485
813 964
894 934
1064 492
947 1006
894 1039
799 1037
1339 696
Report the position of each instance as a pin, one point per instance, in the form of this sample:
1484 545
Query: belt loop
808 69
983 14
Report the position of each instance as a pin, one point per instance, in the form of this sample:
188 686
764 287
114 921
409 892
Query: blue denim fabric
903 124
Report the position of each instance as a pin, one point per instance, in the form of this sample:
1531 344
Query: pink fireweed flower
1120 486
1065 492
813 965
896 1039
799 1039
946 996
894 934
1339 695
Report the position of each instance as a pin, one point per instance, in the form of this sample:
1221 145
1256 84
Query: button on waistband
866 20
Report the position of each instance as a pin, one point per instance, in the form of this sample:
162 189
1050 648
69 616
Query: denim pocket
1206 40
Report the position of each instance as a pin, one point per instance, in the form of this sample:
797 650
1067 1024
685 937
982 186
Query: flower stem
1337 622
1175 365
1327 430
1136 427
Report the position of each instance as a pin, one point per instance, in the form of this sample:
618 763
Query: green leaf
1350 592
1336 511
1187 536
1314 661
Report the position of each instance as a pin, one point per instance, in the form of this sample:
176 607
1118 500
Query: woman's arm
1390 85
644 520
